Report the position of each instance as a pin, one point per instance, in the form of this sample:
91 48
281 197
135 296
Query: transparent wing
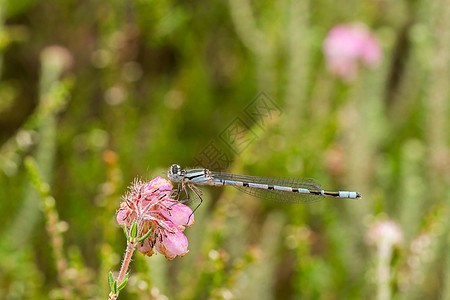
279 196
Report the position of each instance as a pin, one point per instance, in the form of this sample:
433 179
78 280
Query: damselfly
288 190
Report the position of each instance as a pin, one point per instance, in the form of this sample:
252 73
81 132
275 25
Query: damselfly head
175 173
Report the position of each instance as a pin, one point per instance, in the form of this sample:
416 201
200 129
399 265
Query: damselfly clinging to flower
288 190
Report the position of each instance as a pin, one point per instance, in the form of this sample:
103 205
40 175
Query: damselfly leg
198 194
183 187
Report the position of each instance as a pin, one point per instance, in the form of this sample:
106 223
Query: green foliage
140 85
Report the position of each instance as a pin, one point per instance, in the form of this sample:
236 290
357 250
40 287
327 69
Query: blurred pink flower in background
385 231
385 235
149 203
348 45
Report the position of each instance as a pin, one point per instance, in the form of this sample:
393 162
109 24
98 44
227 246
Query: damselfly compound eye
175 169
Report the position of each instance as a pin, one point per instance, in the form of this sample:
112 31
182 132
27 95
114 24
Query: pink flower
348 45
149 203
385 232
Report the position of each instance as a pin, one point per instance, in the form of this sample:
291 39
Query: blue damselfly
288 190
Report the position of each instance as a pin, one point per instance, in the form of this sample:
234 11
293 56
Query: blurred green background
129 87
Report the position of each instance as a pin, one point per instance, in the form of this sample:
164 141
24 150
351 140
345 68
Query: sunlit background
351 93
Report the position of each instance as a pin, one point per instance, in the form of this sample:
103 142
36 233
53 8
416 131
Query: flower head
385 232
150 205
348 45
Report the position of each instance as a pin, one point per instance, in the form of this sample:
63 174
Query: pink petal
121 217
145 247
179 214
123 214
172 244
160 183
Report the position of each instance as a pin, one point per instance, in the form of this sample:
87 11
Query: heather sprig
150 218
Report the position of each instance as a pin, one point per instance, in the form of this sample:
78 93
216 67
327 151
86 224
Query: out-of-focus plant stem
437 104
384 254
108 199
53 96
424 250
364 126
53 224
297 70
263 269
255 40
412 187
2 9
437 117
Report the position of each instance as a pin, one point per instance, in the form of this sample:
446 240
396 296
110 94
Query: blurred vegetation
100 92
